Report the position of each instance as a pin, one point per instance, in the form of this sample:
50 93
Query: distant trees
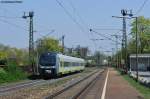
99 57
21 55
7 53
48 44
143 35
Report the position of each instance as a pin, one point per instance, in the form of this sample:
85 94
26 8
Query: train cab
47 64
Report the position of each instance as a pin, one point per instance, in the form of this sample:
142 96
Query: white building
143 62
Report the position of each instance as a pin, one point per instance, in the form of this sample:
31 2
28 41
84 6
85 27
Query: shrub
11 73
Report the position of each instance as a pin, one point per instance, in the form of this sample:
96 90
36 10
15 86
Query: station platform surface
119 88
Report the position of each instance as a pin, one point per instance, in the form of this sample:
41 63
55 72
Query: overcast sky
49 15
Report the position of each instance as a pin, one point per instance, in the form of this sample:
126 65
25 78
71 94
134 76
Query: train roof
65 57
70 58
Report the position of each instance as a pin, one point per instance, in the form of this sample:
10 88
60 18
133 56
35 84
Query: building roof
140 55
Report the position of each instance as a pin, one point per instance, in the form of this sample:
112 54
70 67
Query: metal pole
136 52
121 58
112 55
37 58
63 45
31 42
125 41
117 51
122 54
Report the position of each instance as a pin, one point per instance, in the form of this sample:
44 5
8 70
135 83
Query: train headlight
48 71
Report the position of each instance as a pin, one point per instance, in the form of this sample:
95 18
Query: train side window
79 64
73 64
61 64
70 63
66 64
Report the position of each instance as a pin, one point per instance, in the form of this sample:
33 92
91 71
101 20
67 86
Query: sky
73 20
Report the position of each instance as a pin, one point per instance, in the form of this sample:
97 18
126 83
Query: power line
141 8
15 17
103 35
107 29
71 17
8 17
6 10
13 24
74 20
81 20
75 10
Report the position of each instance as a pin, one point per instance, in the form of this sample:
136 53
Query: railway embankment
40 89
11 73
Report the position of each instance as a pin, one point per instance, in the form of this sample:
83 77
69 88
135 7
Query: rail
70 86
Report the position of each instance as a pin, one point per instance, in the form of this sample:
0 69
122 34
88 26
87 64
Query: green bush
3 75
11 73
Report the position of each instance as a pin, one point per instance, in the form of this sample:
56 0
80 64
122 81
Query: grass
11 73
145 91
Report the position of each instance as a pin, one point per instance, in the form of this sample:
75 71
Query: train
54 64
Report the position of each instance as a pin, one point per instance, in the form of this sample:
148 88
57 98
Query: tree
19 55
48 44
99 57
143 33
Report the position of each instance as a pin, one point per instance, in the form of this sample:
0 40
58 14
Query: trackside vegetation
12 59
145 91
11 73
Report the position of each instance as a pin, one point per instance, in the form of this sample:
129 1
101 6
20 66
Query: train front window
47 60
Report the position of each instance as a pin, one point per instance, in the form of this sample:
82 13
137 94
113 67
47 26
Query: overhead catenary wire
17 18
77 13
103 35
74 19
13 24
71 17
141 7
111 29
82 21
10 17
6 10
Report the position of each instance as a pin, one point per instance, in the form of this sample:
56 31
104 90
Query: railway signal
124 40
31 39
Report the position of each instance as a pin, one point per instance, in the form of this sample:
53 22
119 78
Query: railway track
9 88
81 85
4 90
93 90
